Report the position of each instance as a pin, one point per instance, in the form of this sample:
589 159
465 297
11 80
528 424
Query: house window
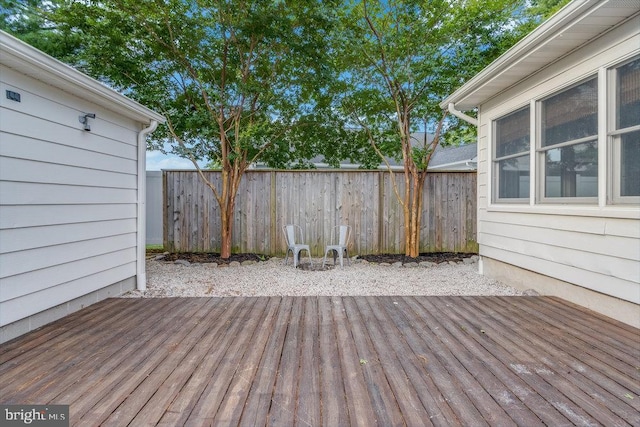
568 153
511 157
625 138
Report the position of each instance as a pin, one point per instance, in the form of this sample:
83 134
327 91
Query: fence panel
317 201
154 201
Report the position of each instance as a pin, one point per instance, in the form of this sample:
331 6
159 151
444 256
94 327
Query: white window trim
492 175
603 127
612 148
540 151
606 207
533 175
610 211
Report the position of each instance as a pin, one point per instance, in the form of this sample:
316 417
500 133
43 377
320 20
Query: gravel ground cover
181 278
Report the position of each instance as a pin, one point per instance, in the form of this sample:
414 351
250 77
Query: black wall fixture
14 96
84 119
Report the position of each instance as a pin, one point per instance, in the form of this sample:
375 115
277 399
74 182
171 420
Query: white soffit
574 25
28 60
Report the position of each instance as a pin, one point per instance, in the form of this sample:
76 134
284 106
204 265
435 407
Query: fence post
381 192
168 245
273 214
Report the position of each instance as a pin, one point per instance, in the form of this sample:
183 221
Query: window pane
513 178
572 171
570 115
630 164
628 96
512 133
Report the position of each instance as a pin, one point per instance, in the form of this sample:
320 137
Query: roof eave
463 98
28 60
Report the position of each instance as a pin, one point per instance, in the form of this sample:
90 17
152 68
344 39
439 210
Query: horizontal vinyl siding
28 283
625 290
20 216
549 246
52 235
20 170
628 228
597 248
23 261
20 147
68 198
595 253
48 297
39 193
37 129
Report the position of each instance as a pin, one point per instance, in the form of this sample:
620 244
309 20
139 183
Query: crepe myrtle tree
401 58
238 82
242 82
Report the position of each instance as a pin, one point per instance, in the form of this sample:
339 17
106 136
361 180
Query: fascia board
542 35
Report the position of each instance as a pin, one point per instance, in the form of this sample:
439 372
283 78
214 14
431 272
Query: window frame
614 136
495 160
541 151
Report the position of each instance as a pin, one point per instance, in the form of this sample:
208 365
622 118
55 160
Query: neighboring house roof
461 157
574 25
28 60
454 158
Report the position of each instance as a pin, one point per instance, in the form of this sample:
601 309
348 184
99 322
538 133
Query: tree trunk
230 175
413 200
231 184
226 202
413 207
418 188
407 213
414 226
225 232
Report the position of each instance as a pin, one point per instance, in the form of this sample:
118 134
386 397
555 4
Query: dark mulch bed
201 257
437 257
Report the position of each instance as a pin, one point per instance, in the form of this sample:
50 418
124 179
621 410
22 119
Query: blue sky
157 160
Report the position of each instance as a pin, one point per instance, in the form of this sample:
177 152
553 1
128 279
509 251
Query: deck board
237 342
554 372
309 410
332 391
359 404
397 367
378 387
326 361
609 374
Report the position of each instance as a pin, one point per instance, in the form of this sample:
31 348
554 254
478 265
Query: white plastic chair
342 233
290 232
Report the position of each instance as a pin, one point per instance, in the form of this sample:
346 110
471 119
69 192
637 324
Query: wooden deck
333 361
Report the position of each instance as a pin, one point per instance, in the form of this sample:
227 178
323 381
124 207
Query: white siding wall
596 246
67 198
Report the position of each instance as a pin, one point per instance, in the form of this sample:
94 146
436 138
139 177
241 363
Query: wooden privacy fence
317 201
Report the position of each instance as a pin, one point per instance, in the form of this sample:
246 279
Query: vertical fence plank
317 201
273 209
